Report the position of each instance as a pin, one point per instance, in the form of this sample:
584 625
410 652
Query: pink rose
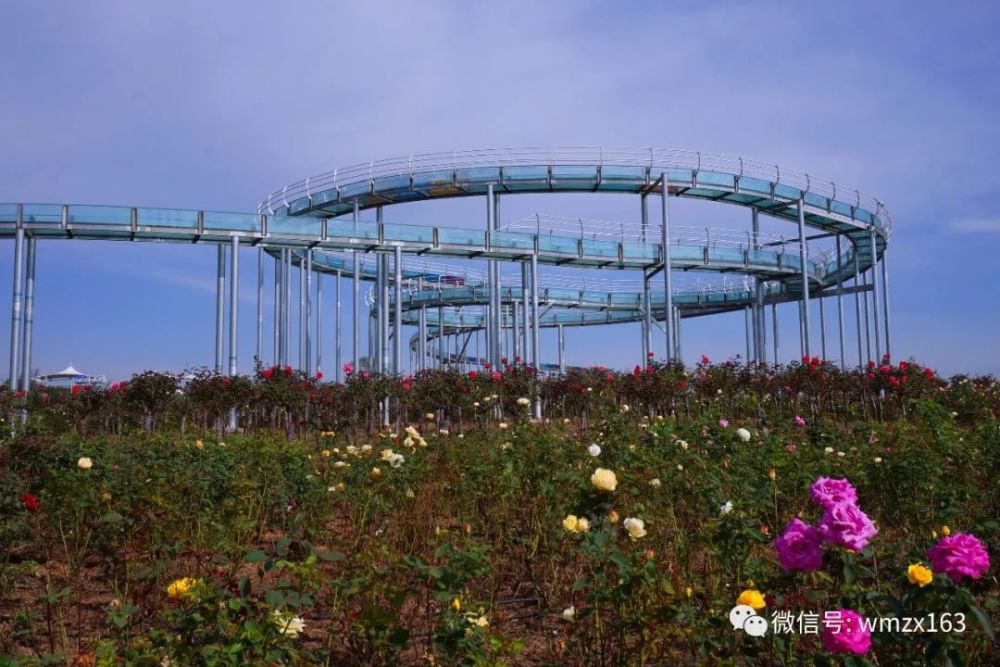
799 547
828 492
799 421
960 555
846 525
846 631
724 423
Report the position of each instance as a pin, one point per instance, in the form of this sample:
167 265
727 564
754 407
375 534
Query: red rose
816 361
486 365
503 360
319 375
705 359
288 370
637 370
871 364
267 373
473 375
870 376
30 502
806 359
682 384
928 373
76 389
885 370
517 358
902 366
650 355
497 376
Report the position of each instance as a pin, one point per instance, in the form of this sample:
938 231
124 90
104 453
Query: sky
213 105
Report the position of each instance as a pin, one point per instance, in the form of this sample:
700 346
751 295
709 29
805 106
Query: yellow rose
752 598
636 528
199 444
456 604
919 574
180 587
946 531
582 525
85 463
570 523
604 480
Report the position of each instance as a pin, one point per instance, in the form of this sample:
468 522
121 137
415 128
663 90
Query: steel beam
220 303
234 293
667 280
804 256
29 317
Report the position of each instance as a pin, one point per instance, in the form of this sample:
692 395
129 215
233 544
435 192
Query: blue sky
213 105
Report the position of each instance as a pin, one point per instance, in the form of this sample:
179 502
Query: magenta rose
960 555
828 492
846 632
846 525
799 547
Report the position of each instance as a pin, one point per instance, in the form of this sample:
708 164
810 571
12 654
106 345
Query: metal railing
656 159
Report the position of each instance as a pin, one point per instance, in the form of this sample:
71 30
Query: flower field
725 514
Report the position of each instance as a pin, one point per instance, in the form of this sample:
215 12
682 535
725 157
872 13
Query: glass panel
755 185
42 213
525 174
411 233
600 248
350 229
237 222
786 191
841 208
299 205
581 173
715 178
813 199
513 240
453 236
167 217
392 183
354 189
427 179
614 173
8 212
100 215
479 175
297 226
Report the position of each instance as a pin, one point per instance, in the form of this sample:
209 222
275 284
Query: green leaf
982 619
255 557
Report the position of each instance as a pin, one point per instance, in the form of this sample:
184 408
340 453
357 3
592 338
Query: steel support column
647 315
276 357
804 257
562 350
259 343
774 332
234 294
338 330
885 299
220 303
667 279
840 304
822 329
535 351
397 326
525 311
307 317
356 268
746 328
875 303
858 285
442 343
319 322
29 317
422 340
